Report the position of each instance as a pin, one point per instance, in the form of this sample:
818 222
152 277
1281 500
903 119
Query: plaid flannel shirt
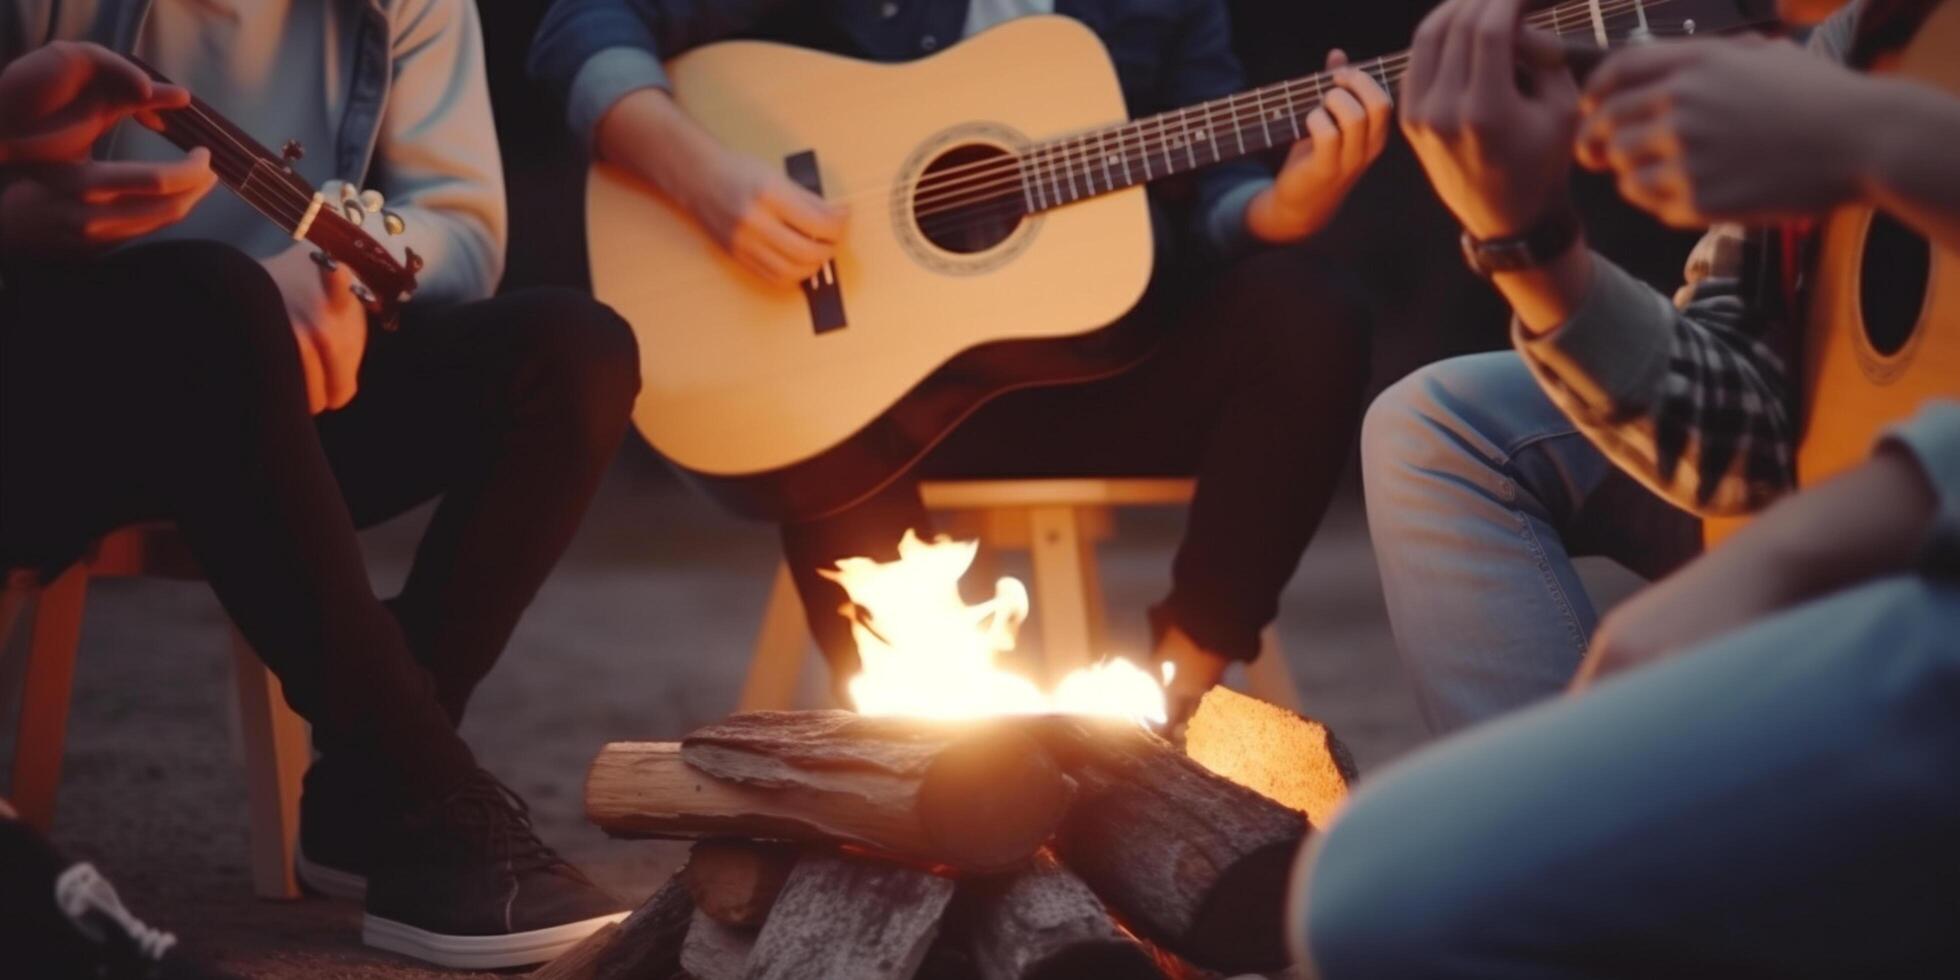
1693 398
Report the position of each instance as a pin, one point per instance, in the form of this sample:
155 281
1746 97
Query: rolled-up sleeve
592 53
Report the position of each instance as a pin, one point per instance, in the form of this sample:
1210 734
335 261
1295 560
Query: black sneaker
468 884
64 919
343 820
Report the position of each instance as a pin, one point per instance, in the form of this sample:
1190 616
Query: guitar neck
1082 165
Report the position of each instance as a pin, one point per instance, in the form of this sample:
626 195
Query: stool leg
779 646
1064 571
277 753
52 641
1269 677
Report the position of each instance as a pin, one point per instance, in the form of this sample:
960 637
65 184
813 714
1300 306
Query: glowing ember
928 654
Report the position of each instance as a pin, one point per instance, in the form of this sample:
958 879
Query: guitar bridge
821 291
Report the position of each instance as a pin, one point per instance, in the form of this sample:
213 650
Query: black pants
1256 390
163 383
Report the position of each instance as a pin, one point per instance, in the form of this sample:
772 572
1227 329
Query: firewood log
1045 924
579 962
647 944
713 951
841 915
974 796
1271 750
735 882
1187 858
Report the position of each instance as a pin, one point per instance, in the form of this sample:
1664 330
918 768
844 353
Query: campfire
965 821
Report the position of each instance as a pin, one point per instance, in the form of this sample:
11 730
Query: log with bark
1189 859
647 944
842 915
973 796
735 882
1045 924
1276 752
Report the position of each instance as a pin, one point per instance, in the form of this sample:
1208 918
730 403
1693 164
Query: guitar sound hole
968 199
1892 281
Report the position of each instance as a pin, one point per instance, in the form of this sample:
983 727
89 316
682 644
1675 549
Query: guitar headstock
339 226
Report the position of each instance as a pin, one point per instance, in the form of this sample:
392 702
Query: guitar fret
1102 150
1027 189
1054 171
1123 154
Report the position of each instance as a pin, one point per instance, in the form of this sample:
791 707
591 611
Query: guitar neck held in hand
268 183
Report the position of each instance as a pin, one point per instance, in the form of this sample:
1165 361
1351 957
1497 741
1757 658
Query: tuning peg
412 261
352 209
324 261
393 222
292 151
347 192
367 298
372 200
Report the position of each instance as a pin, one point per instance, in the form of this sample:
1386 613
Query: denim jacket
1168 54
413 119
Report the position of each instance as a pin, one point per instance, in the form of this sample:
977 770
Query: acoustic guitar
269 184
998 220
1882 307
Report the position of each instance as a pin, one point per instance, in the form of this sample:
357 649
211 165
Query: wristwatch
1541 243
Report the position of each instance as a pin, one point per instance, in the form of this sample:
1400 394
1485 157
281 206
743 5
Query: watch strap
1541 243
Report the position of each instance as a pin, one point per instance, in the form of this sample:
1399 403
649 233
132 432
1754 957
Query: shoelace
494 818
87 898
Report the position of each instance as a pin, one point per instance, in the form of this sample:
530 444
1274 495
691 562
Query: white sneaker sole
479 952
330 881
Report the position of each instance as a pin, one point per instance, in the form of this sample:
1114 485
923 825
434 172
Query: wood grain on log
1045 924
1272 751
1189 859
713 951
974 796
647 945
579 962
735 882
842 915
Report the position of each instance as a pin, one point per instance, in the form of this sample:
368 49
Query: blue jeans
1480 494
1782 801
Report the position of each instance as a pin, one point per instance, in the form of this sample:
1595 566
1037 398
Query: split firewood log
842 915
1043 923
647 944
713 951
1271 750
579 962
1189 859
735 882
973 796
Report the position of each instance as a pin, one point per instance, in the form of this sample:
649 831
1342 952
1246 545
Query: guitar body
1882 318
784 404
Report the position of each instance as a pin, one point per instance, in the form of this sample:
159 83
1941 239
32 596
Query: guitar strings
1056 178
1068 146
1008 199
1008 204
1063 154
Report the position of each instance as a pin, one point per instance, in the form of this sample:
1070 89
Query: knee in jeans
587 352
1409 425
1358 911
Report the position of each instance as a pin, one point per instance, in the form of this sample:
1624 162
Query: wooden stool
1058 521
275 740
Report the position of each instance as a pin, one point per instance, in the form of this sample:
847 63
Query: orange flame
928 654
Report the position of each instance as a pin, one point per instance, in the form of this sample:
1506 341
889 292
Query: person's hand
328 321
1345 134
1740 129
1195 670
769 223
74 209
1493 132
1869 522
58 99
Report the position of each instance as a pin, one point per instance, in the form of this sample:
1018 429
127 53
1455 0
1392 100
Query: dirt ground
643 633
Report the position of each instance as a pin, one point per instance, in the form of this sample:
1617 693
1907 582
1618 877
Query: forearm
648 133
1913 154
1870 522
1549 295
